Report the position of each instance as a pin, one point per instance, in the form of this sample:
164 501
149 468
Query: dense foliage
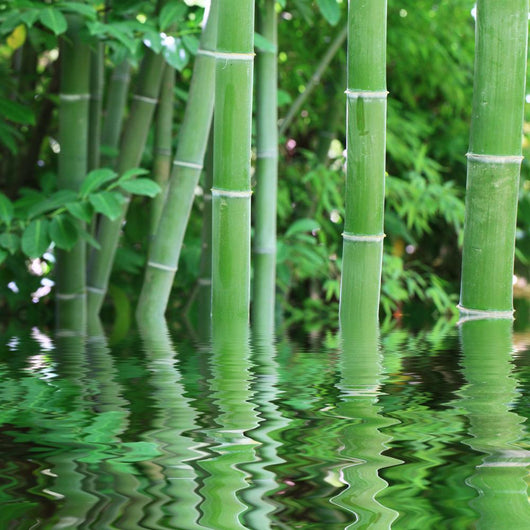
430 71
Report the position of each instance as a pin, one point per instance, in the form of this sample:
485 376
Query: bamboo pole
70 279
365 175
231 187
494 158
131 148
264 248
97 74
164 251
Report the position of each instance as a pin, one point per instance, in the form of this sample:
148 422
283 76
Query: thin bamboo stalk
264 249
131 148
365 174
494 158
232 141
97 75
70 269
338 41
162 149
164 251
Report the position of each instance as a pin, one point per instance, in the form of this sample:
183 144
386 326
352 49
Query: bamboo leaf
13 111
82 9
6 209
35 239
11 22
131 173
263 44
63 232
53 19
30 16
107 203
302 225
85 236
57 200
80 210
330 10
10 242
146 187
175 53
95 179
192 43
171 14
3 255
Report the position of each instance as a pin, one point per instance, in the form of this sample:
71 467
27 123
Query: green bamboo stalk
338 41
73 138
494 158
97 77
162 149
116 99
231 190
365 173
495 431
264 249
164 251
131 148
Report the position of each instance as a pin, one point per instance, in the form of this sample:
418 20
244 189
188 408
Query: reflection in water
501 499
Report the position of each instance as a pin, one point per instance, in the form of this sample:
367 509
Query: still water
158 431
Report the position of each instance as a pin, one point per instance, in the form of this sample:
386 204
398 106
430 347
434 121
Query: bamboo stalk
70 269
494 158
264 249
162 149
131 148
338 41
165 248
97 70
231 187
365 174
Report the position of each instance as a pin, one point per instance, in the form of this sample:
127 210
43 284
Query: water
404 431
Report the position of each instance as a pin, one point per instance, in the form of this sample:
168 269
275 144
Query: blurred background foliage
430 83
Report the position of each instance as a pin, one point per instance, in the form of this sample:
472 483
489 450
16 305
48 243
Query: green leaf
175 53
15 112
141 187
53 19
85 236
30 16
302 225
172 13
56 200
11 22
10 242
35 239
95 179
63 231
131 173
263 44
3 255
80 210
107 203
192 43
6 209
330 10
82 9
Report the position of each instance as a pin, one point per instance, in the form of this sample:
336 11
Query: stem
494 158
96 97
315 79
365 174
264 250
164 251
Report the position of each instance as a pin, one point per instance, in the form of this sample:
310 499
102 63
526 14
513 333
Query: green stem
338 41
494 158
365 174
164 251
231 187
96 99
264 249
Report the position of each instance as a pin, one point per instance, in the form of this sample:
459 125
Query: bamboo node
204 281
482 314
495 159
146 99
74 97
367 238
72 296
273 153
227 55
366 94
237 194
183 163
161 266
264 250
96 290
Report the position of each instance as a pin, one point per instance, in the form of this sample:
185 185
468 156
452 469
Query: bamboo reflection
173 476
362 438
499 480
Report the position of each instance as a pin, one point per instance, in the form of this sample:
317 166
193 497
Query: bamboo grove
200 144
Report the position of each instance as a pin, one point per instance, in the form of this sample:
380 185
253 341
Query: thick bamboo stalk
131 148
73 138
494 158
365 173
264 248
97 71
162 149
231 187
334 47
164 251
